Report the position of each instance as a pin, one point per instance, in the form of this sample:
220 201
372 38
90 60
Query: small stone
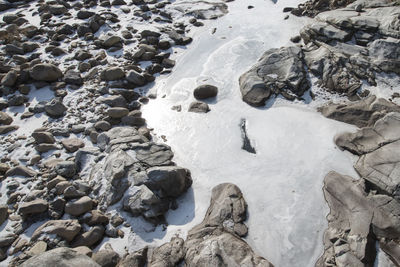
205 91
199 107
66 168
72 144
5 119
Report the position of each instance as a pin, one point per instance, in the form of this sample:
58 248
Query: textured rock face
278 71
216 241
60 257
45 72
67 229
360 113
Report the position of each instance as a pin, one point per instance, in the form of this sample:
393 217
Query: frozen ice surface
283 181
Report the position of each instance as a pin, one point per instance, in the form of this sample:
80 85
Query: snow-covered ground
283 182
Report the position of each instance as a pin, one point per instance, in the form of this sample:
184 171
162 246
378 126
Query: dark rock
205 91
45 72
199 107
55 108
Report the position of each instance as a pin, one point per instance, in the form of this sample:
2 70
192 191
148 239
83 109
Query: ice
283 181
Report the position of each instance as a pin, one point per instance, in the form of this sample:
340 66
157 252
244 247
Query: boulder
199 107
205 91
66 229
60 257
33 207
277 71
45 72
79 207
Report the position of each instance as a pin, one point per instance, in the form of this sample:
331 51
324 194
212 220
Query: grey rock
360 113
79 207
199 107
55 108
277 71
106 258
66 168
112 74
45 72
60 257
138 258
43 137
73 77
21 171
10 78
136 78
72 144
8 128
117 112
33 207
66 229
169 254
205 91
5 119
89 238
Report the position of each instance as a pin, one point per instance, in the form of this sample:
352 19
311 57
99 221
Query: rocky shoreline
77 155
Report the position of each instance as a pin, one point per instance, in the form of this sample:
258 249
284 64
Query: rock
205 91
21 171
57 9
106 258
136 78
324 32
110 41
5 119
114 101
199 107
66 229
97 217
33 207
10 78
60 257
169 254
89 238
368 139
117 112
55 108
66 169
220 227
43 137
84 251
102 126
73 77
360 113
138 258
45 72
144 202
385 54
79 207
171 180
277 71
56 208
72 144
112 74
84 14
38 248
8 128
3 213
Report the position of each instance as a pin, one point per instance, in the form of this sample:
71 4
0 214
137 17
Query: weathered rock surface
60 257
45 72
216 241
66 229
278 71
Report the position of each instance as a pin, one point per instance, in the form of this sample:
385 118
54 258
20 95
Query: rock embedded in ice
199 107
278 71
205 91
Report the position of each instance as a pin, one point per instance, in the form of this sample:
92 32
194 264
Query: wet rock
33 207
66 229
79 207
199 107
72 144
205 91
60 257
45 72
277 71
